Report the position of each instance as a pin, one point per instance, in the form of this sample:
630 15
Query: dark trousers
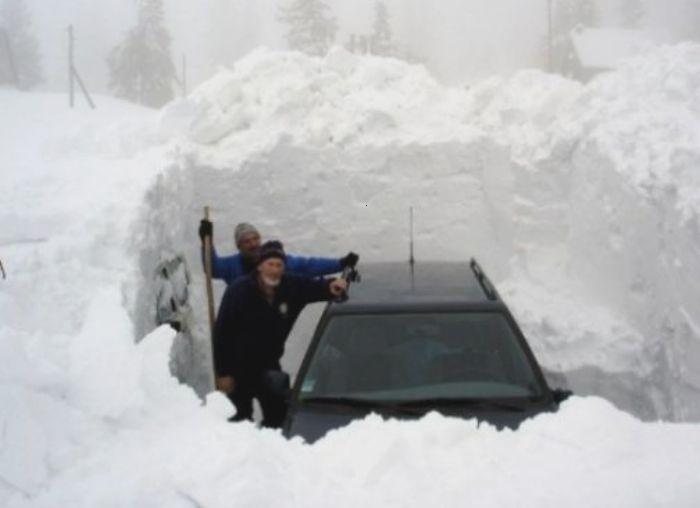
270 388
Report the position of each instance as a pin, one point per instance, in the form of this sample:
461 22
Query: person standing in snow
256 314
247 237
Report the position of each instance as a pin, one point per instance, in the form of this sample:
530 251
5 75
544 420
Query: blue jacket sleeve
224 268
299 265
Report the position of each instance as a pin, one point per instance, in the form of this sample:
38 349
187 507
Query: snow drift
580 201
577 199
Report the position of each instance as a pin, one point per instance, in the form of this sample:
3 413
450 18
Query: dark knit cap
272 249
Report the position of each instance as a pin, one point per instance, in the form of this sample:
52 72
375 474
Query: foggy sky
460 41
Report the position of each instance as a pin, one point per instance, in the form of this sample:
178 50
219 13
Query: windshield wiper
468 402
421 406
395 406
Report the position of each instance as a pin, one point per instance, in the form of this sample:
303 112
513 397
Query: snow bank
71 186
620 165
578 199
588 451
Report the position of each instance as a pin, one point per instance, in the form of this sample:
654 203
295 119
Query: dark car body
413 339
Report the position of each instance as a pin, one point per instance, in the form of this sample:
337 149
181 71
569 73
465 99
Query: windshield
405 357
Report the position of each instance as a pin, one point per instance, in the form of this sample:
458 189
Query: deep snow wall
624 157
579 200
325 202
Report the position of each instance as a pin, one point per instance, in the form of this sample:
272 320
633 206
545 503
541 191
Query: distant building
597 50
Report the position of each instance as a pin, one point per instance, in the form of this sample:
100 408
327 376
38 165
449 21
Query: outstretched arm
320 290
315 266
221 267
312 266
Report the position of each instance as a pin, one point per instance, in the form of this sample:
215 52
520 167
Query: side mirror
560 395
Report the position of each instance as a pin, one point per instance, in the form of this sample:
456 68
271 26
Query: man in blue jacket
247 237
255 317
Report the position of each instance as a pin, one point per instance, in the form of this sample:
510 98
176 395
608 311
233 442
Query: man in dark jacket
247 237
255 317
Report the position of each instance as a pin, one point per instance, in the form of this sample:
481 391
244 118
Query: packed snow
577 199
581 202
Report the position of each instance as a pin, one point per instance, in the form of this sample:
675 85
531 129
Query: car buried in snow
416 338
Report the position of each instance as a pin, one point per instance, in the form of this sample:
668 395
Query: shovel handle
210 291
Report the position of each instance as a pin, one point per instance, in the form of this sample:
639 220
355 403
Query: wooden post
82 87
210 292
73 75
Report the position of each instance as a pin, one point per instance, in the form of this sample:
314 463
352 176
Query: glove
350 260
226 384
206 228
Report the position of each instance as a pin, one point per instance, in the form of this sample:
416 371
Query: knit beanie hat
243 229
272 249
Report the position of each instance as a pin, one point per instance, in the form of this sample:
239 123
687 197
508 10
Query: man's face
249 245
271 271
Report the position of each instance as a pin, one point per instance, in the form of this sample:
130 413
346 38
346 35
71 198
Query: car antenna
411 259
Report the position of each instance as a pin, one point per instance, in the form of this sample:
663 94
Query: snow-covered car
413 339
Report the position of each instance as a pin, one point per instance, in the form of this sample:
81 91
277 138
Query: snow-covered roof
604 48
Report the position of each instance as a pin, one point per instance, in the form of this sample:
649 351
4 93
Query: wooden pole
73 75
210 292
82 87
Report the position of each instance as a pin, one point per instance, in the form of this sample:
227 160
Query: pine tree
23 58
381 40
631 13
141 68
311 29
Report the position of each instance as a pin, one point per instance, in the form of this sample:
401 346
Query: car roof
423 285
